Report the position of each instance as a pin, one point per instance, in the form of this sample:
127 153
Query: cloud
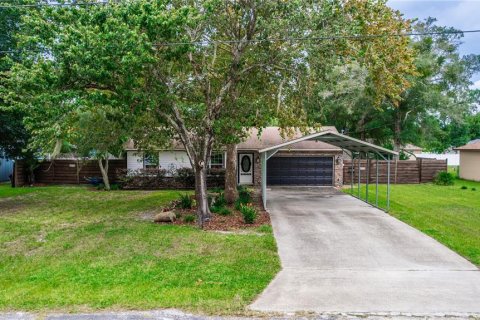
460 14
476 85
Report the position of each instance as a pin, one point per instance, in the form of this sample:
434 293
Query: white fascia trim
319 134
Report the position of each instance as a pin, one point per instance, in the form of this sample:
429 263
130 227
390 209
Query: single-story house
470 160
303 163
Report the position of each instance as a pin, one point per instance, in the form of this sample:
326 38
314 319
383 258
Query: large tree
204 70
240 69
14 137
77 80
439 97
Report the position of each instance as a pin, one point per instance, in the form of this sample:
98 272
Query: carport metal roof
338 140
345 143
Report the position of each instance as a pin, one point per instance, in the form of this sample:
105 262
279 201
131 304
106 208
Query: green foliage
464 188
220 200
435 111
185 201
219 205
96 75
224 211
189 218
474 189
244 194
444 178
249 213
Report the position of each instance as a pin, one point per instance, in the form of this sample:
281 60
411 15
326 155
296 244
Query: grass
77 249
7 191
448 214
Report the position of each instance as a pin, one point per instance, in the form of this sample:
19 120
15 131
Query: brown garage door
309 171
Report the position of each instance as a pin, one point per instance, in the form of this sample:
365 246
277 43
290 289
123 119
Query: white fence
452 158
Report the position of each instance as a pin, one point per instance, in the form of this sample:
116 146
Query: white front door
245 168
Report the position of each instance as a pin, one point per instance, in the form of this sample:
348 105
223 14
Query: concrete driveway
341 255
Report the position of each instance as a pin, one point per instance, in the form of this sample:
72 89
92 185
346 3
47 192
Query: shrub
189 218
224 211
464 188
220 200
185 176
114 186
474 189
216 190
249 213
444 178
185 201
238 204
244 194
141 178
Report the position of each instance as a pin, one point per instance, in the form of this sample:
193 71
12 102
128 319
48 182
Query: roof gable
472 145
271 136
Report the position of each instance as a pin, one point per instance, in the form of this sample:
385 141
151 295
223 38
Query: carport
357 149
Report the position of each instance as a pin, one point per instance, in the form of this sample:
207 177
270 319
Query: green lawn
449 214
76 249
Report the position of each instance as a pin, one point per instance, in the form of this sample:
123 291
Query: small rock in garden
168 216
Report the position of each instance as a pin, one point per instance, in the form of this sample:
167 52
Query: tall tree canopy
439 97
201 71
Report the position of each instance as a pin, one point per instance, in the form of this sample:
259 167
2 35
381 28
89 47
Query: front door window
245 168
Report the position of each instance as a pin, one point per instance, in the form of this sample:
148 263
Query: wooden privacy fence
66 171
401 171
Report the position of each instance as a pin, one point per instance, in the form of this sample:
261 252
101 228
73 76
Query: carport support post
388 183
264 179
368 175
376 181
359 175
352 170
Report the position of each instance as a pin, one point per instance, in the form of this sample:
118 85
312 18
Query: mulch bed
233 221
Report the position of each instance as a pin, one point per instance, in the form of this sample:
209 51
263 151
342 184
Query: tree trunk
231 193
397 130
104 171
203 211
31 175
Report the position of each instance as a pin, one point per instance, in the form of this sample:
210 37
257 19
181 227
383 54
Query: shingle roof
410 146
472 145
270 136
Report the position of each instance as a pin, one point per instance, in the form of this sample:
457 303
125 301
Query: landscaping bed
247 212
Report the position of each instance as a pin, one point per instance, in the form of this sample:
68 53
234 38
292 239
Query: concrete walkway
341 255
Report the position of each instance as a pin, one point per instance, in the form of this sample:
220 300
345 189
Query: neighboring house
453 159
411 151
303 163
6 167
470 160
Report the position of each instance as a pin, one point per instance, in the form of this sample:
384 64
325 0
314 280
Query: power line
38 5
293 39
335 37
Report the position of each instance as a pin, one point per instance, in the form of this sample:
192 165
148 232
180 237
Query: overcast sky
461 14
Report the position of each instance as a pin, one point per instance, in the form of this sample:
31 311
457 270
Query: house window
216 160
150 161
